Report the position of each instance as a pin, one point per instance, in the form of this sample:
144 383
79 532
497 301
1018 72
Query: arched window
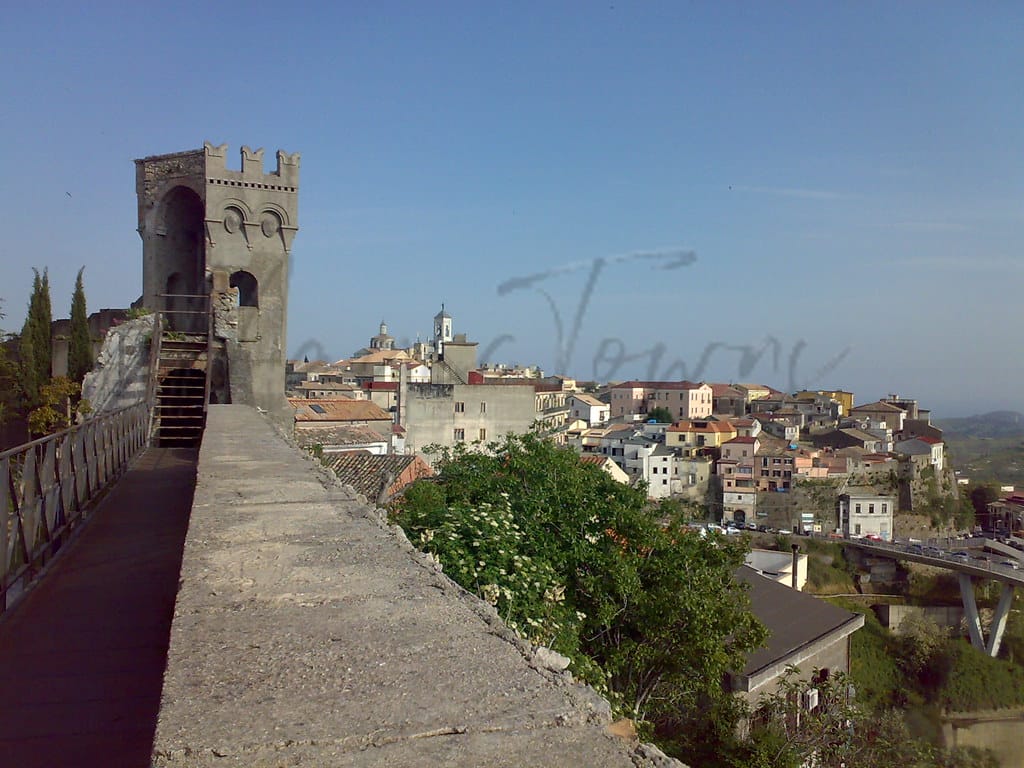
248 289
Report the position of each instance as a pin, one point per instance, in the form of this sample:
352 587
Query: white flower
555 594
490 593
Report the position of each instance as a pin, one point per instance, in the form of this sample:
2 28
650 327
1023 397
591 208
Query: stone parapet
307 632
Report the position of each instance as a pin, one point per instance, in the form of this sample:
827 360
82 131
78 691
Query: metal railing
47 486
154 373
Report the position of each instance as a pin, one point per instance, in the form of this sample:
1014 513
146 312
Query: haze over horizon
822 195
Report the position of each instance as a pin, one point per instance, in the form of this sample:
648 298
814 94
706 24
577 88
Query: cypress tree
28 374
41 324
80 345
28 360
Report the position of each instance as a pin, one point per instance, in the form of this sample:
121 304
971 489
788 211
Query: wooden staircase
181 390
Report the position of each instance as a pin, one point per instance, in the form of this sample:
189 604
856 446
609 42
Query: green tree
838 732
981 495
28 370
648 613
55 411
8 378
80 345
34 344
661 415
42 321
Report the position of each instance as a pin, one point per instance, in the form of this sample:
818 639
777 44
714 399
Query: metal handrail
48 484
183 296
154 372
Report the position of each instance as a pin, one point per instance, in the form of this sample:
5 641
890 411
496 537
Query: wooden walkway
82 656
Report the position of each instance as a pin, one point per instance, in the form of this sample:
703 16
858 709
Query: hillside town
756 457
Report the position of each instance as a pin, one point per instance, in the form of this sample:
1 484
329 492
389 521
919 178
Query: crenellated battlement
285 178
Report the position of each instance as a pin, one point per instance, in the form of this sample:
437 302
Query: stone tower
442 331
216 244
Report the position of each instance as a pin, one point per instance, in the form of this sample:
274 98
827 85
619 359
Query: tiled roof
594 458
658 385
879 406
337 410
325 385
619 431
741 441
859 434
587 399
365 472
724 390
719 427
338 435
378 357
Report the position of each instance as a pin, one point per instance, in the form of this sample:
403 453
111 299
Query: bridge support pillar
971 611
995 632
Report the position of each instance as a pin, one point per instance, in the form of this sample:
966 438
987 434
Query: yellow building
845 399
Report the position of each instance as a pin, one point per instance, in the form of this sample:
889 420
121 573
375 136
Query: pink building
683 399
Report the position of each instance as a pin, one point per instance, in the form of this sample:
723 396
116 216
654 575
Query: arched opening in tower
248 288
184 261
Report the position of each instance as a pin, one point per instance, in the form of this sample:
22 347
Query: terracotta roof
337 410
742 440
594 458
325 385
719 427
378 356
613 431
338 435
588 399
724 390
876 458
313 365
878 406
365 472
859 434
658 385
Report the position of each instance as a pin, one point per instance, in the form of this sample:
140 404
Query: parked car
961 554
1011 564
873 537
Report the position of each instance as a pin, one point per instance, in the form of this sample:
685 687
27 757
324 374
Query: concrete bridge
968 571
234 606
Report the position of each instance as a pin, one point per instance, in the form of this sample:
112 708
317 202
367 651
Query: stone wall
120 376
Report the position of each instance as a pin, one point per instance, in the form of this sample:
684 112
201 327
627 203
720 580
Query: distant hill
997 424
987 448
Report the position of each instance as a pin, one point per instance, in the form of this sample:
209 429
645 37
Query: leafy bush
873 666
975 681
647 612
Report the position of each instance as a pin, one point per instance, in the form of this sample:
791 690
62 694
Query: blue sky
849 177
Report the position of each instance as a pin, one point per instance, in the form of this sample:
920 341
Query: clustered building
743 449
740 448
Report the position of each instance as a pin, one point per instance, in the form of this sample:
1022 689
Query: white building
588 408
865 513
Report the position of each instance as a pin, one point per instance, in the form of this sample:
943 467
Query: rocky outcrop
120 377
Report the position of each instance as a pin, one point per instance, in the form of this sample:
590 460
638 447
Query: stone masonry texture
307 632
